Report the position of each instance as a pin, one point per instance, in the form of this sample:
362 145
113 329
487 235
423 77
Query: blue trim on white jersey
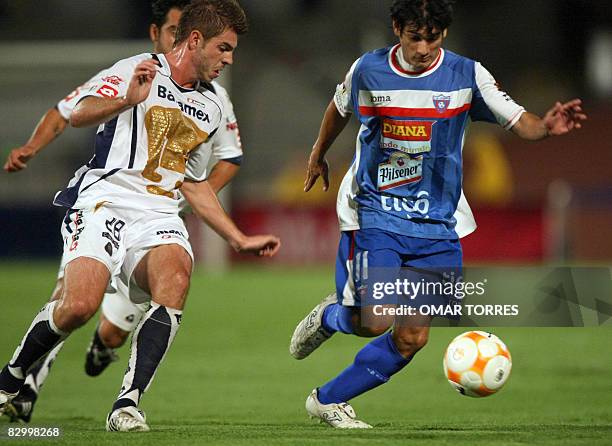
103 177
237 160
134 137
68 196
103 143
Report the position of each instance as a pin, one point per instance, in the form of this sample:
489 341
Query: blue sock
374 365
337 318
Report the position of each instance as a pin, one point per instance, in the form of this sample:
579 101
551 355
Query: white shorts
120 238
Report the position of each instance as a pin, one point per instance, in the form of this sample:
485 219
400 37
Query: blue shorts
366 249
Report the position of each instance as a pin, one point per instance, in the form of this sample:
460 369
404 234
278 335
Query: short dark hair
160 9
429 14
211 18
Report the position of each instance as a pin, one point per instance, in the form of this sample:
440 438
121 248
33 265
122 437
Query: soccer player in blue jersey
397 201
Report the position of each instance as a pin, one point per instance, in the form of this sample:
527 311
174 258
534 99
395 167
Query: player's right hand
18 158
141 82
261 245
317 167
563 118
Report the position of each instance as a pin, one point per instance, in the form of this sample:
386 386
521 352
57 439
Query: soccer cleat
21 407
127 419
5 403
96 359
338 415
309 333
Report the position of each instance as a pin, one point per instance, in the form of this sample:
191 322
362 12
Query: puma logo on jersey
190 110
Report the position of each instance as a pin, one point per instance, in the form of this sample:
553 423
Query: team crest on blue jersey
441 102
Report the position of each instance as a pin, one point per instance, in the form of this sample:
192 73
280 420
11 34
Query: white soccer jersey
225 144
140 155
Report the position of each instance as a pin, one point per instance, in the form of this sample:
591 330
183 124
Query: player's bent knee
82 311
368 324
113 337
74 313
181 281
371 331
173 290
178 284
408 343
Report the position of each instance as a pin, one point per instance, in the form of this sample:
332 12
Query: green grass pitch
229 378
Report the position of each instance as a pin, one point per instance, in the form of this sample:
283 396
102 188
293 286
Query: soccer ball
477 364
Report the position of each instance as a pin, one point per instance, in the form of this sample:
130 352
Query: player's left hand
563 118
317 167
18 158
260 245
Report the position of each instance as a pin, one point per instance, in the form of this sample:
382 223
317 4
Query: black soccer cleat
98 359
20 409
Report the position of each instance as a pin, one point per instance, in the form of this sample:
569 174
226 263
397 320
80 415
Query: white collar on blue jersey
400 66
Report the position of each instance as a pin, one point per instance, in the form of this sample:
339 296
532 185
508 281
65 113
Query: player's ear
445 33
153 33
195 38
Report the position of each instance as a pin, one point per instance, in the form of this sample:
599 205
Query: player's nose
422 49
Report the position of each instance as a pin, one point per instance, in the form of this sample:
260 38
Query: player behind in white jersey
119 316
123 221
397 203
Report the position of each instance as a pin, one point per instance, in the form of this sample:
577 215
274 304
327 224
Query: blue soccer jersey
406 176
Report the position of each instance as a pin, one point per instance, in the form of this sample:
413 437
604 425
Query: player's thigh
432 264
164 273
375 316
358 254
430 254
85 281
93 252
158 264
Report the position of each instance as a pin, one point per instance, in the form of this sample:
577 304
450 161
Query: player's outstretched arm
332 125
50 126
204 202
96 110
559 120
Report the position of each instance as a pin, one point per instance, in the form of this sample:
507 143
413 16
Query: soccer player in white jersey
123 220
396 205
119 316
